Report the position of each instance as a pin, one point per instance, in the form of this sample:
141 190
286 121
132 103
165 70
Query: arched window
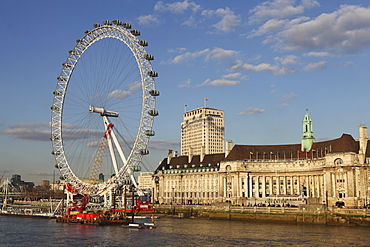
338 161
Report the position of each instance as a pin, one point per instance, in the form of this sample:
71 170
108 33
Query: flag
186 105
205 99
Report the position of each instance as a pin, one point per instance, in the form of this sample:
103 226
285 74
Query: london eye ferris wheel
103 109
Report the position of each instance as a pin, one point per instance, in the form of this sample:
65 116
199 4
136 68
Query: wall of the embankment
305 214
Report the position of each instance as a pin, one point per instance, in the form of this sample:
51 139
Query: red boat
139 207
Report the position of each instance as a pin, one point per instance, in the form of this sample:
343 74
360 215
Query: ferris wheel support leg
113 156
110 145
119 149
125 166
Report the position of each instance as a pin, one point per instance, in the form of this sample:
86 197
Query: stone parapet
306 214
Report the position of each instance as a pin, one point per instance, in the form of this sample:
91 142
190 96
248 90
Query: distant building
325 172
17 182
203 132
45 183
57 185
145 180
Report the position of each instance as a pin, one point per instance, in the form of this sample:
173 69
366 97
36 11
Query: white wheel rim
68 138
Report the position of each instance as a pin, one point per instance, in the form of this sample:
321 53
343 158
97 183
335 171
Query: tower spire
307 136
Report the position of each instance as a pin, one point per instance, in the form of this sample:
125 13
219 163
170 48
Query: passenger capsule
153 112
57 93
54 138
154 92
135 32
143 43
73 52
97 25
149 56
58 166
88 32
66 65
55 152
152 73
116 22
79 41
55 108
61 78
150 133
107 22
126 25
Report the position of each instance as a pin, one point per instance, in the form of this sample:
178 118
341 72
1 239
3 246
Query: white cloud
216 53
225 80
345 31
219 82
190 22
148 20
119 94
228 19
349 63
185 84
122 94
270 25
277 9
276 26
36 131
290 59
317 54
233 75
176 7
262 67
134 86
177 50
251 110
315 66
290 96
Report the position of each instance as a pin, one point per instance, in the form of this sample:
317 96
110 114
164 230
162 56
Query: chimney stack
202 153
229 146
190 157
169 156
363 139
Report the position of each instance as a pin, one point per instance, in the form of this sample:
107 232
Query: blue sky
262 62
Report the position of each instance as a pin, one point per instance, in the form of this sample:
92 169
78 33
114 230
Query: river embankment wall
305 214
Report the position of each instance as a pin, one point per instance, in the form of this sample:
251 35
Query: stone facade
202 132
330 172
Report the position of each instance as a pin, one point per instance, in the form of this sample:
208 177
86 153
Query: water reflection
16 231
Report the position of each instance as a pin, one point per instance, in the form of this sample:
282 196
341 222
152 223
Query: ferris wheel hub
103 112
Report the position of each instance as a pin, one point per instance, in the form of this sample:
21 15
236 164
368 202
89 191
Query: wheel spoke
109 78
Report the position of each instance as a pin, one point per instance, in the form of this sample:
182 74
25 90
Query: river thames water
19 231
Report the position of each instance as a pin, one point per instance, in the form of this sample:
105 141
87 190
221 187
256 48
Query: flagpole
205 102
185 108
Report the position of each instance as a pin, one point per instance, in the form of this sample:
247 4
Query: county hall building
327 172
